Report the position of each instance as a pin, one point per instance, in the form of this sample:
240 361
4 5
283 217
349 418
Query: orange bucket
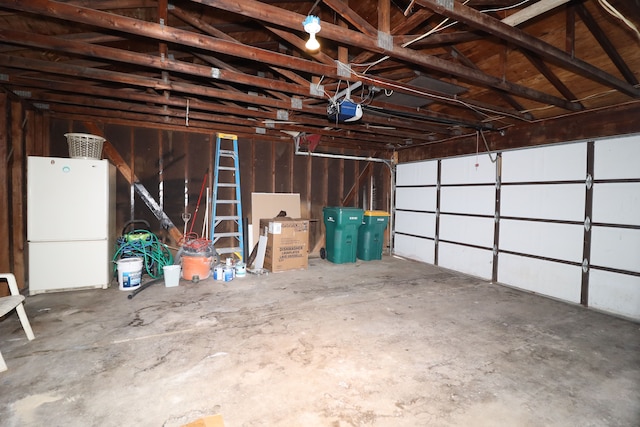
195 268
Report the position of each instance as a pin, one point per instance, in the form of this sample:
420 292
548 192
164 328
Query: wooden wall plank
5 206
17 165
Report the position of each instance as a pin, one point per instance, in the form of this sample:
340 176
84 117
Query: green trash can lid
376 213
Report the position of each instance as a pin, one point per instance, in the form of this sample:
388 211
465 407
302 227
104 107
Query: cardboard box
287 243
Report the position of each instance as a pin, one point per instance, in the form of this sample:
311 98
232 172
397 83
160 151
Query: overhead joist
606 44
145 60
198 23
277 16
349 15
148 82
549 74
185 88
131 94
488 24
82 113
292 20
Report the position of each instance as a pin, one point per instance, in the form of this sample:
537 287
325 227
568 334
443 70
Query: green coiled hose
153 252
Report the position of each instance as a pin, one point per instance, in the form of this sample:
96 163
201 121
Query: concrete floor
379 343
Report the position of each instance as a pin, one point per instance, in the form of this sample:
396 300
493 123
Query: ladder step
221 135
227 218
228 250
227 153
227 184
228 202
226 168
232 234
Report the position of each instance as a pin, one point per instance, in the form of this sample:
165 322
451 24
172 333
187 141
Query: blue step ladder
227 233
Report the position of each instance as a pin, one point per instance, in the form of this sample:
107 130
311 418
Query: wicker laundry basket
84 145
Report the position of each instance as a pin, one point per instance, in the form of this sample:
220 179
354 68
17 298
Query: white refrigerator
70 223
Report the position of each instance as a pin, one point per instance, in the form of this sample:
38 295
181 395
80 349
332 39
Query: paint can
218 272
227 274
241 269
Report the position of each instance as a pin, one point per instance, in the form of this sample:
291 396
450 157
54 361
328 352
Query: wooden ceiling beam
550 75
145 97
384 16
145 60
147 82
172 35
419 126
523 40
139 96
278 16
349 15
292 20
606 44
229 126
508 98
213 31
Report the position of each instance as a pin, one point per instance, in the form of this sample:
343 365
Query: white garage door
562 220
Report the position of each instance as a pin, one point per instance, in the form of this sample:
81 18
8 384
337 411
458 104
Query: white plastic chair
10 302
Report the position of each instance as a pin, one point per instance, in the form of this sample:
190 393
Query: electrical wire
500 9
614 12
585 98
477 109
439 27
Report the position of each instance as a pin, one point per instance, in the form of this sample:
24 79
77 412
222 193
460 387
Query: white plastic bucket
171 275
129 273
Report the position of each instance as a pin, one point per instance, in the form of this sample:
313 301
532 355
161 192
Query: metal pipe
390 164
340 156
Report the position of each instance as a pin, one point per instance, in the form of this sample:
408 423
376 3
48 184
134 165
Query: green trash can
342 233
371 235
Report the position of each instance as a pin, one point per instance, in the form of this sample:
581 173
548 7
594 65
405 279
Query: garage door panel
617 248
416 223
549 201
414 248
468 230
416 198
617 203
419 173
553 163
543 239
553 279
615 293
463 170
477 200
468 260
617 158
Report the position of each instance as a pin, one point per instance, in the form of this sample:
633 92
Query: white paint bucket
241 269
129 273
171 275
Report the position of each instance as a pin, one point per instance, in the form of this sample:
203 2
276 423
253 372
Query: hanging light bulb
312 43
312 26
